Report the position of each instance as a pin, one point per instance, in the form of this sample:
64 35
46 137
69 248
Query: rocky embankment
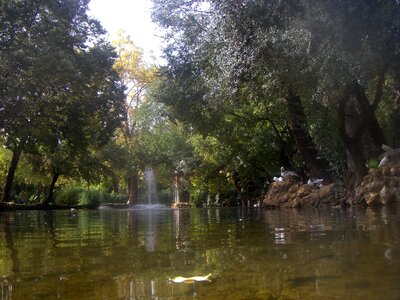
291 193
380 187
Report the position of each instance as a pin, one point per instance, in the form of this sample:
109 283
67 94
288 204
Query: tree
43 44
135 75
309 53
83 118
210 70
354 48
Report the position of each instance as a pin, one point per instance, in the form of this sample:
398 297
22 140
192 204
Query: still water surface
251 254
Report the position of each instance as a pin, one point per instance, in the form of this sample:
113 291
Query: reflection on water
251 253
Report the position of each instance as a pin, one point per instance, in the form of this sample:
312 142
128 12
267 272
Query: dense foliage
60 99
301 84
247 87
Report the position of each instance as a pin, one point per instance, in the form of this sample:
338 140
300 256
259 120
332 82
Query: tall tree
215 51
42 44
136 75
354 47
82 118
322 53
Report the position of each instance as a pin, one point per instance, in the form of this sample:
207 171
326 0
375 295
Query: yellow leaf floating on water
181 279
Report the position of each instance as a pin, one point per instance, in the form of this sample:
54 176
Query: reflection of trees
10 243
243 255
380 222
150 235
109 253
333 242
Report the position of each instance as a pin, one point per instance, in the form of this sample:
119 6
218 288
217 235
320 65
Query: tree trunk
50 195
395 117
285 154
352 129
356 165
357 115
375 132
367 109
133 187
395 122
318 166
10 175
176 188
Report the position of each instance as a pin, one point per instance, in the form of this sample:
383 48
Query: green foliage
59 96
165 195
216 115
5 157
69 195
114 198
91 198
230 65
199 197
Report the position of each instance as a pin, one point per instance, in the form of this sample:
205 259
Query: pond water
250 253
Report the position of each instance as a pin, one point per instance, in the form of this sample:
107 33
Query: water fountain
150 186
176 189
151 191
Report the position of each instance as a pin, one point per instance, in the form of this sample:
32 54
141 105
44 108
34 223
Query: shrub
165 196
199 198
69 195
115 198
91 198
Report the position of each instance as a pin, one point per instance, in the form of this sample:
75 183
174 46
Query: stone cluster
380 186
291 193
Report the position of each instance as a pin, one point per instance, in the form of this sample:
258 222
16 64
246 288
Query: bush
73 195
165 196
91 198
69 195
199 198
115 198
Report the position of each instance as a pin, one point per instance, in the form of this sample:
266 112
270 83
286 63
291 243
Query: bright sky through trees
133 16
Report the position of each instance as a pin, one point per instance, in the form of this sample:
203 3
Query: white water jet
151 189
151 193
176 188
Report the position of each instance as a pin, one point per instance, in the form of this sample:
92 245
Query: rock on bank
295 194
